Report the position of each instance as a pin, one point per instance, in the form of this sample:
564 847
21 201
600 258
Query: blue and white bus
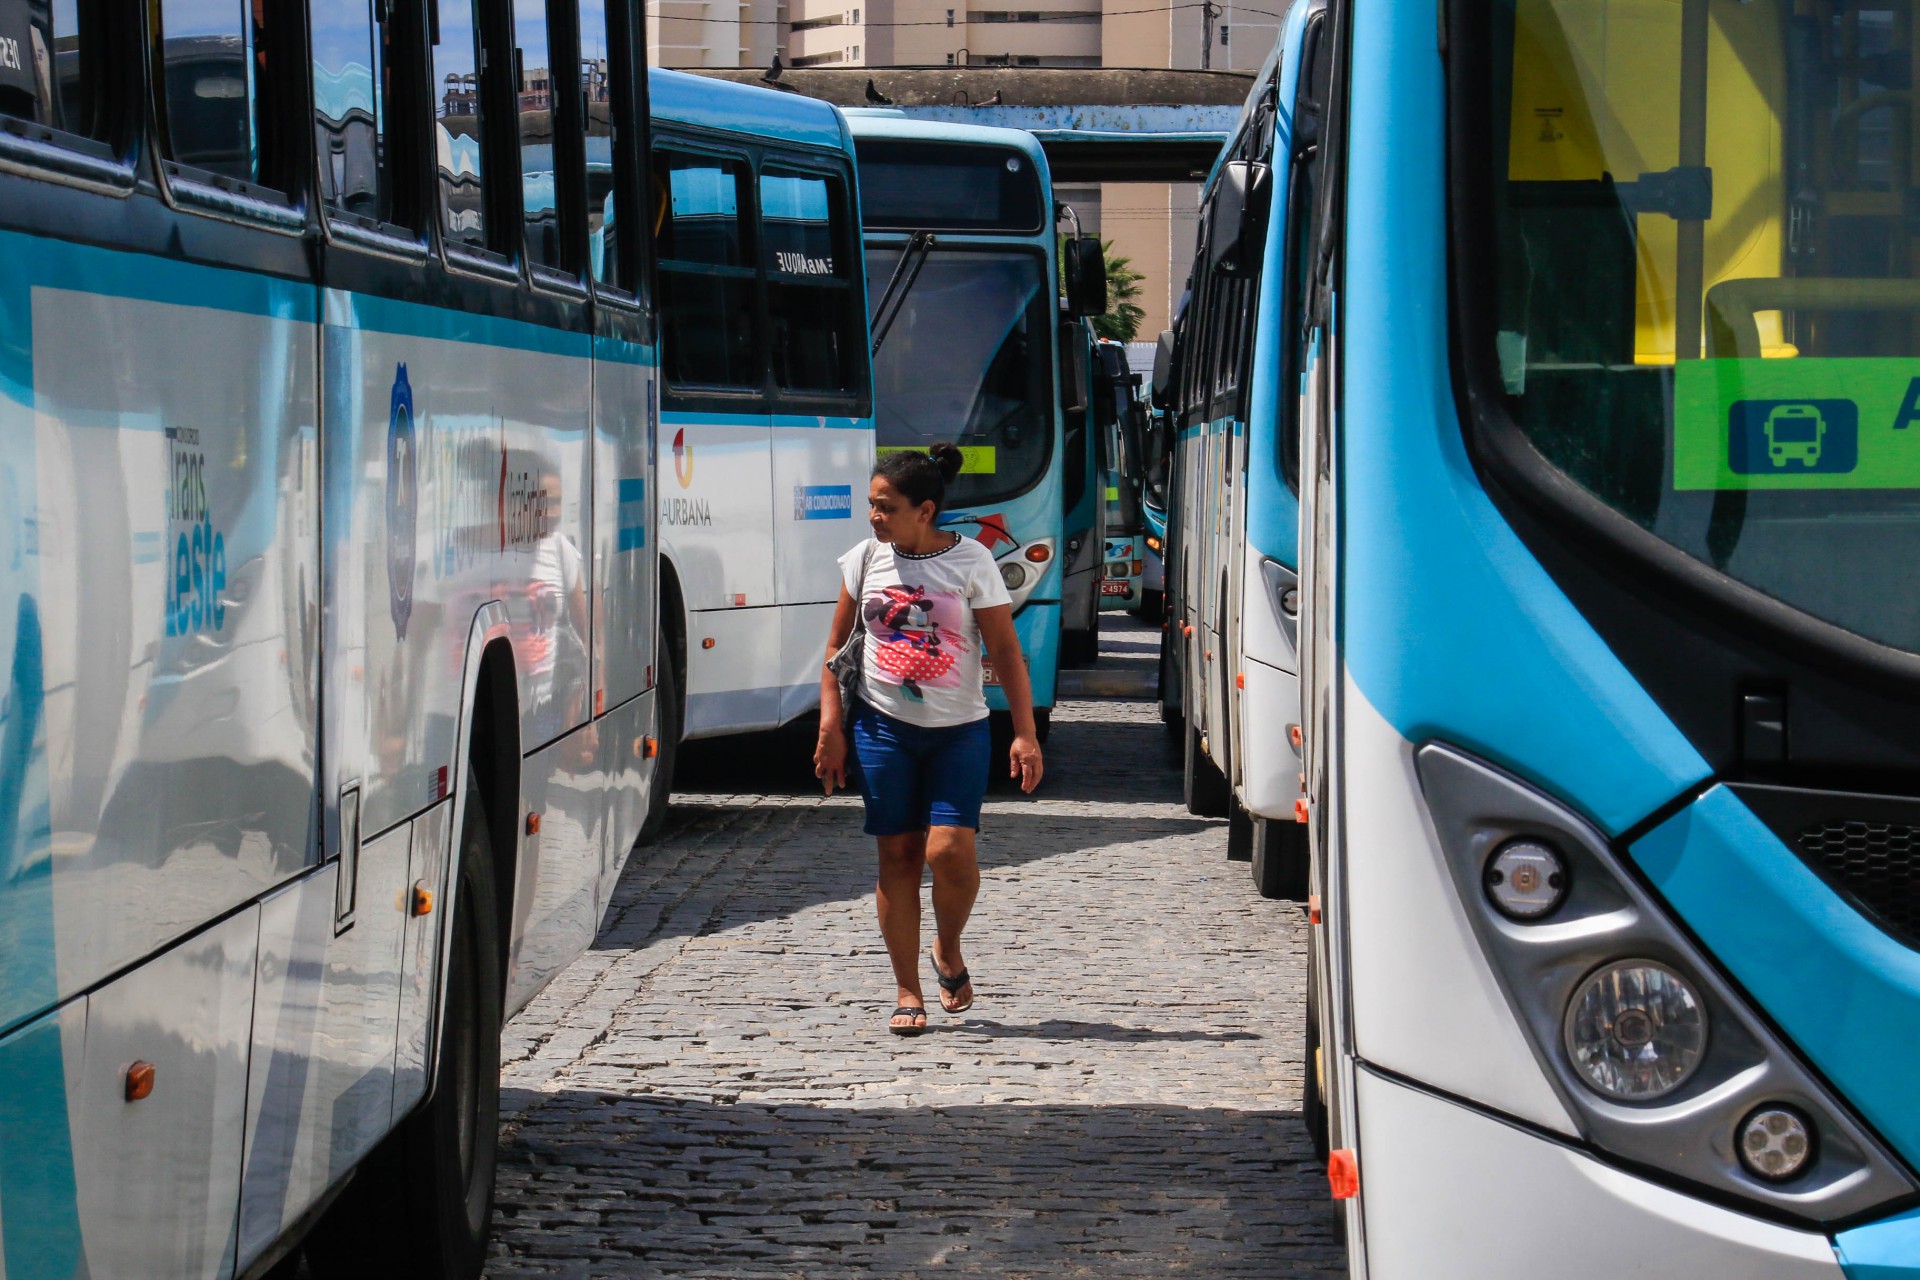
1612 753
326 547
766 436
1120 417
1229 672
980 352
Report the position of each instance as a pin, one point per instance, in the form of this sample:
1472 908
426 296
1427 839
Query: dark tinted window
348 112
708 286
816 336
456 134
47 71
212 72
596 93
914 185
534 108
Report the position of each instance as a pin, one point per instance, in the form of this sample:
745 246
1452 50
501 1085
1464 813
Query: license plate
1115 589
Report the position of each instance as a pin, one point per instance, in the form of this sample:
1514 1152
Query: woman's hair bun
948 458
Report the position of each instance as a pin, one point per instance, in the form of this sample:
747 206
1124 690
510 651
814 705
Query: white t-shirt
921 660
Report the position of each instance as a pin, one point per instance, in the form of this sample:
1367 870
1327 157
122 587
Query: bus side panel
320 1085
40 1091
716 525
630 775
457 474
820 469
1429 1164
176 565
556 907
625 538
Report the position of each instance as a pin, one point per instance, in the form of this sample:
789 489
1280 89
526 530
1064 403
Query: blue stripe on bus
38 262
1851 997
757 418
633 490
1884 1250
367 313
1450 627
632 537
826 421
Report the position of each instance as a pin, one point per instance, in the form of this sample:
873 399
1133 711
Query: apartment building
1153 225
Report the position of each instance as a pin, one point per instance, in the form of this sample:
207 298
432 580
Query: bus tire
1313 1097
1042 723
1202 784
1279 855
1079 648
1169 683
1241 826
421 1205
668 719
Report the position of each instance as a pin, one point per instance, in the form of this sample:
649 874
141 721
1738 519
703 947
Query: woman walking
927 600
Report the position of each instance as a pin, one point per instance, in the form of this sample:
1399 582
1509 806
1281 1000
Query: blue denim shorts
913 778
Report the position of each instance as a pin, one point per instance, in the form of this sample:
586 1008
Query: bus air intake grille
1878 863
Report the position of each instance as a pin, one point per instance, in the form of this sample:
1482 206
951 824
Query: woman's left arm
996 630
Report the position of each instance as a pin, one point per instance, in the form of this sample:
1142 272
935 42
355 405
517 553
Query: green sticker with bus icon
1796 424
975 459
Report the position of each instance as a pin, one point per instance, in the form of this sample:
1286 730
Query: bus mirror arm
894 296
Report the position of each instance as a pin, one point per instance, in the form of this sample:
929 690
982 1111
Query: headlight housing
1636 1030
1023 573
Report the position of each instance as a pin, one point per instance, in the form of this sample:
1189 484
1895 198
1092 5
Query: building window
855 55
1026 62
856 17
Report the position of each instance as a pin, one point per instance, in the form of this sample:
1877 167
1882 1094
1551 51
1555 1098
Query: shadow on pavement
611 1185
1070 1030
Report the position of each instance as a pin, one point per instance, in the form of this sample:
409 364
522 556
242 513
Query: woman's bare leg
956 884
903 859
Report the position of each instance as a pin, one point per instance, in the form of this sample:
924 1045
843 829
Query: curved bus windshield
969 360
1707 311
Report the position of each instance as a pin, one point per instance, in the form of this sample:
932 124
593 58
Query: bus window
534 89
456 113
707 303
51 81
596 95
212 71
349 116
814 337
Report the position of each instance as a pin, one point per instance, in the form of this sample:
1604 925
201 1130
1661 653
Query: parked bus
766 436
978 351
1612 722
1229 678
1120 418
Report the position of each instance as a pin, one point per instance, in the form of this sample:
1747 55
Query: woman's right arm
830 754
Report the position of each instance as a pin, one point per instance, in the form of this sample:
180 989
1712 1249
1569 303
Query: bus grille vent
1878 863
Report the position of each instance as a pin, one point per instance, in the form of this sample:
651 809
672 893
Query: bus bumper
1450 1193
1269 766
1038 626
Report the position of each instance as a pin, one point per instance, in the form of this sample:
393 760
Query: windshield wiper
905 272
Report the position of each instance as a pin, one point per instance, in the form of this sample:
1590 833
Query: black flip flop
911 1028
952 987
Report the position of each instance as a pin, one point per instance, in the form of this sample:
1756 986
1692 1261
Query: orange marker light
739 600
1039 552
1343 1174
533 824
599 702
1240 681
1300 809
422 898
1293 734
649 747
1313 908
1186 628
707 642
139 1081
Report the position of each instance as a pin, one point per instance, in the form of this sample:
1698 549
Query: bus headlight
1776 1142
1635 1030
1024 572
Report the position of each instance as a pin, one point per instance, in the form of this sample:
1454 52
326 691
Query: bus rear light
139 1081
1139 566
1343 1174
1039 552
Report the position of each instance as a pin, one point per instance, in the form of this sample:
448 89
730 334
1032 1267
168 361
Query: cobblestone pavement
711 1090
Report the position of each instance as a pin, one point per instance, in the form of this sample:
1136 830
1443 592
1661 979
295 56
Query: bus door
822 436
716 457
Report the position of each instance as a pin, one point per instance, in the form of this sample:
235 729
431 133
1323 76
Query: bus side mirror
1162 369
1086 269
1237 217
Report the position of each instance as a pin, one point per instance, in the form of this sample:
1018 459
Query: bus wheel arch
493 753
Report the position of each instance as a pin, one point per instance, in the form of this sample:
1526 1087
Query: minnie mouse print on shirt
922 650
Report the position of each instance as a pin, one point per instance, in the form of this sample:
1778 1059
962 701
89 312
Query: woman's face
891 515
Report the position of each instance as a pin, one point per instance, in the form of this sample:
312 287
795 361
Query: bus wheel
1042 723
1203 786
1279 854
1313 1094
421 1205
667 718
1240 834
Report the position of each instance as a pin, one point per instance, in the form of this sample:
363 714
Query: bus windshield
1706 301
969 361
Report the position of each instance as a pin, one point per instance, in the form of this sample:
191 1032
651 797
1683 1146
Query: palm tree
1123 317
